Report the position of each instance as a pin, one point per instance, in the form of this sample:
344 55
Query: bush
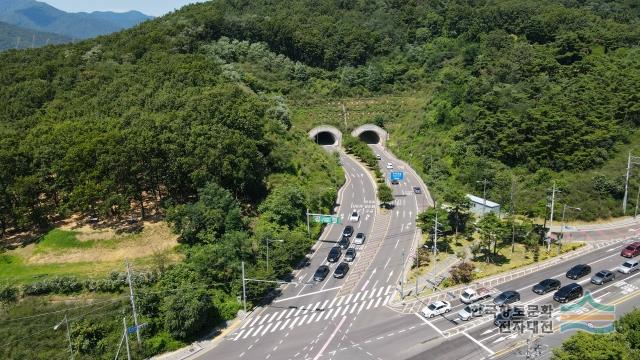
462 273
8 294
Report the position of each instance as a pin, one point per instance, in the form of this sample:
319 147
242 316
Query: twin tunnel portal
330 135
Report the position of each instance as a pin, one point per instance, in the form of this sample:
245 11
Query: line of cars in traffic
471 297
335 253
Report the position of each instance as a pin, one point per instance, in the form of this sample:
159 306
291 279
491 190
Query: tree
459 213
285 206
462 273
187 313
426 220
629 327
385 194
492 233
587 346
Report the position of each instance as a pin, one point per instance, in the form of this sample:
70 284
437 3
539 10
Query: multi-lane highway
351 318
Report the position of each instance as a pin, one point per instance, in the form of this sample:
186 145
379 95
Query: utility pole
133 302
632 160
513 217
553 203
635 214
484 194
435 248
66 322
244 292
126 337
308 225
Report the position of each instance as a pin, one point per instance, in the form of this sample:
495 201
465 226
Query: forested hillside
14 37
198 118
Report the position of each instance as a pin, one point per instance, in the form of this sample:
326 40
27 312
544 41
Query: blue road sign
396 175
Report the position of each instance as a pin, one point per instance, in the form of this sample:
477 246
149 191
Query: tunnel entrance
325 138
370 137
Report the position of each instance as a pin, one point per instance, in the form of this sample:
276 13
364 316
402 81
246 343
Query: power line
60 311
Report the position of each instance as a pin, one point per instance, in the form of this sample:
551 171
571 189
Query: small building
478 205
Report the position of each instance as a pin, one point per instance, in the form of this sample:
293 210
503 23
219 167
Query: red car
631 250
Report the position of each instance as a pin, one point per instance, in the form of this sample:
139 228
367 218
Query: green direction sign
327 219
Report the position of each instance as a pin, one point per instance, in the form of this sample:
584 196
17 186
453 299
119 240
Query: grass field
85 252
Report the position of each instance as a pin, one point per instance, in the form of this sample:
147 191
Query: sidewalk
613 224
426 281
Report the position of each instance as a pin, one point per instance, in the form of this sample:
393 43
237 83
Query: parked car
355 217
341 270
510 314
568 293
507 297
347 231
546 286
470 295
334 254
378 157
416 190
436 308
629 266
389 166
470 311
395 182
631 250
350 255
602 276
578 271
359 240
344 242
321 273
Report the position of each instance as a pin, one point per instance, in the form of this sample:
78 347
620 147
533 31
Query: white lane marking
273 317
293 323
489 331
348 298
430 324
275 327
601 296
375 284
254 320
307 294
355 299
328 314
285 324
370 303
299 311
387 263
401 228
389 277
478 343
266 329
330 339
614 249
373 292
239 334
397 242
246 335
365 285
378 302
282 314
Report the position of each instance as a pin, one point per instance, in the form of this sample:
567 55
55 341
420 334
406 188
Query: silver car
350 255
602 277
629 266
470 311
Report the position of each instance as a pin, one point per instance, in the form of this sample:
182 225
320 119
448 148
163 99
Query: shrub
8 294
462 273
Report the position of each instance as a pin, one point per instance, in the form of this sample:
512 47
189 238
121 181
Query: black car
321 273
578 271
395 182
334 254
348 231
417 190
511 314
344 242
568 293
602 276
341 270
545 286
507 297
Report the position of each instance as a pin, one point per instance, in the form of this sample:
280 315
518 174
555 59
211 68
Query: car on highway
470 311
321 273
578 271
629 266
378 157
334 254
470 295
350 255
389 165
511 314
417 190
341 270
355 217
436 308
568 293
602 276
507 297
344 242
545 286
359 240
395 182
347 231
631 250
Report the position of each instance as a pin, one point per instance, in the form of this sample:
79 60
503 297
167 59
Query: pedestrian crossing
313 313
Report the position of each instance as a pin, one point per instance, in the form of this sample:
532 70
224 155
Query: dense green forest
189 118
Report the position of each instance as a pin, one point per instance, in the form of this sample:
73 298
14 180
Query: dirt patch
155 237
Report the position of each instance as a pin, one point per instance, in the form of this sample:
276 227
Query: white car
389 166
436 308
629 266
355 217
378 157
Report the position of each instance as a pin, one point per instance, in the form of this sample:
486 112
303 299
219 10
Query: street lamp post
268 241
66 322
564 209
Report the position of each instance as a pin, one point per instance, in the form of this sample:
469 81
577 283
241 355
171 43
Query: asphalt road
348 318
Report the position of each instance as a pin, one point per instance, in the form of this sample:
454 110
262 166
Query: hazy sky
149 7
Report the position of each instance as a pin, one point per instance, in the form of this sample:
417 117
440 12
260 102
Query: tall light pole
633 160
564 209
635 214
268 241
484 194
554 190
66 322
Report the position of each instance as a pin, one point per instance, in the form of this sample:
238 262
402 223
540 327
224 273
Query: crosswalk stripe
247 333
312 316
275 327
335 314
273 317
290 312
355 299
388 289
263 319
345 310
364 295
254 320
332 301
378 302
373 292
257 331
380 291
370 303
303 319
361 306
266 329
319 316
315 306
285 324
282 314
245 324
387 299
239 334
293 323
324 305
348 299
340 301
353 308
300 309
328 314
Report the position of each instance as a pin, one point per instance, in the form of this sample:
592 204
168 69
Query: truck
470 295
